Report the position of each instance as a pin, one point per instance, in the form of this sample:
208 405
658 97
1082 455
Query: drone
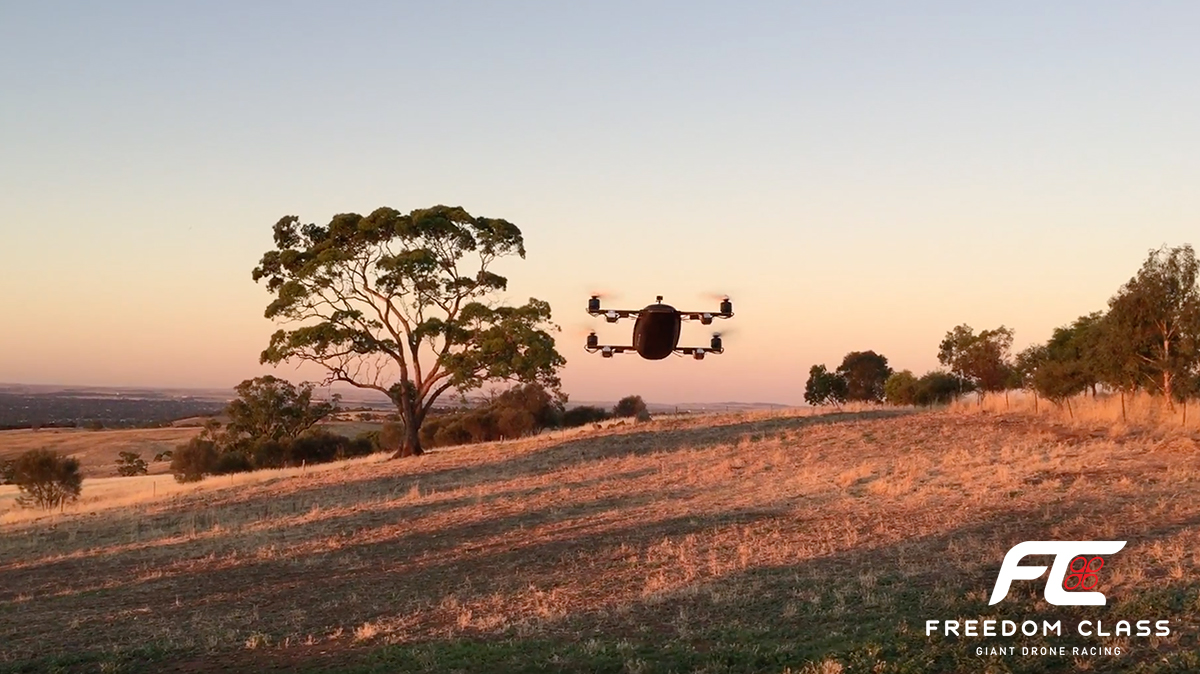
656 330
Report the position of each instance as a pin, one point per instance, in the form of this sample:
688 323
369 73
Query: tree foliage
1157 312
271 424
1059 368
584 414
269 408
865 373
404 305
630 406
191 461
46 479
518 411
980 359
130 464
901 388
939 388
824 387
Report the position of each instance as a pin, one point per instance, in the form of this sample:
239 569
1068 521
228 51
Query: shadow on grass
864 607
195 514
573 452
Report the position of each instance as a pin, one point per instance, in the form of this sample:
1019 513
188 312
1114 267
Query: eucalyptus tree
406 305
865 373
1157 314
981 360
824 387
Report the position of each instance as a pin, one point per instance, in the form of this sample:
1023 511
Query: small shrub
356 447
629 406
232 462
451 433
643 415
515 422
6 472
584 414
46 479
131 464
192 461
269 454
315 447
163 456
371 437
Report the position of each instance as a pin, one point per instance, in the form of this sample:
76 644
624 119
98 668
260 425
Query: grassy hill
731 543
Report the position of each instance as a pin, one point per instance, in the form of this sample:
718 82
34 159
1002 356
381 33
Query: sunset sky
856 175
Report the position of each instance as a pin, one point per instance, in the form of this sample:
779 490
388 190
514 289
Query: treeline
864 376
1147 340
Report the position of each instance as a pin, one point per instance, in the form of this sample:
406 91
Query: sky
856 175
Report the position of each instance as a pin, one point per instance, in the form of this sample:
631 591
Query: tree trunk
1167 375
1070 412
1035 402
412 442
412 428
1123 418
1005 398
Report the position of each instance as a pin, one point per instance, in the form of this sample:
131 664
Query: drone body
656 330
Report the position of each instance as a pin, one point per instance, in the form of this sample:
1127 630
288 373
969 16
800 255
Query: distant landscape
42 406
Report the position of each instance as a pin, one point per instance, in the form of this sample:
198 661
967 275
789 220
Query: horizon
856 178
365 394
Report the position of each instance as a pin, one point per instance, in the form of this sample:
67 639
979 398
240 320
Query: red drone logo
1083 573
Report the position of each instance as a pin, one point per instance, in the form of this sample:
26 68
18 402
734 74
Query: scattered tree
1061 370
584 414
46 479
387 302
981 360
824 387
270 408
901 388
193 460
865 373
131 464
1158 312
629 406
1026 367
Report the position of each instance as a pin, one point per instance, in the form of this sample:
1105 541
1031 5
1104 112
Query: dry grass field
98 451
735 543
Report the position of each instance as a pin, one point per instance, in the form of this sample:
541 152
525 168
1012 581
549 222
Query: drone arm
693 350
607 351
705 317
613 315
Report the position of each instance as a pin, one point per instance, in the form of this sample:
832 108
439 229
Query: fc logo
1083 573
1076 570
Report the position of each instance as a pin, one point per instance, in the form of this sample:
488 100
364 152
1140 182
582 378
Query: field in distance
752 542
98 451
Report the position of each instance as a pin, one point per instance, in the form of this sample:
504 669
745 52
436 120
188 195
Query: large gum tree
405 305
